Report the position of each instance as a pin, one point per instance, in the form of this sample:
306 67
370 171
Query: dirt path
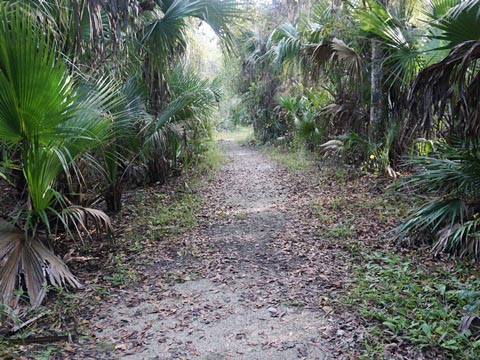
251 282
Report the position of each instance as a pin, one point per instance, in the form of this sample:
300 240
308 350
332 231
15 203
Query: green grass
210 159
122 273
400 298
175 217
339 231
241 134
295 160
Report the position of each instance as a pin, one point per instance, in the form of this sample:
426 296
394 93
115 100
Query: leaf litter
245 283
260 274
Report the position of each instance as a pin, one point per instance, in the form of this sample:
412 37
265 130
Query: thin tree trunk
377 102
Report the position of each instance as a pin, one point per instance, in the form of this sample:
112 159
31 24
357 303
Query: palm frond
78 216
29 263
463 239
286 44
436 9
192 101
52 123
165 32
402 42
461 23
352 59
432 217
43 93
450 178
446 84
456 175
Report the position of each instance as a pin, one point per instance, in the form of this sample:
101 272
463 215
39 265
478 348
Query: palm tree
52 123
164 38
445 103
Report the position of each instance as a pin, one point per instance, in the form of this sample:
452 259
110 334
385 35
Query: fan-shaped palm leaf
28 263
403 43
164 33
460 23
53 124
451 179
436 9
316 56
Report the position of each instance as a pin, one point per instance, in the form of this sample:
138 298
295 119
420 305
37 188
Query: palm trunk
113 197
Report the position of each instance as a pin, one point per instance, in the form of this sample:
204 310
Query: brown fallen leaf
121 347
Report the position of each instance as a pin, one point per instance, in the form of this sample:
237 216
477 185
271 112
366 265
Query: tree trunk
377 103
113 197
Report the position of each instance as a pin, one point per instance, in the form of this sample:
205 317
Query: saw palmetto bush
444 103
51 124
185 119
305 112
449 182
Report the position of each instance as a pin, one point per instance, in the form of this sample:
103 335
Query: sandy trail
246 290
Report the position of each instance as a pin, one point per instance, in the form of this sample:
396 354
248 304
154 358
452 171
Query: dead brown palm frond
316 56
107 19
450 87
349 57
28 263
345 114
443 237
78 216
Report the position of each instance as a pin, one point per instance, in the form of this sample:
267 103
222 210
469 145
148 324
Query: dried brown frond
315 56
28 263
78 216
445 97
349 57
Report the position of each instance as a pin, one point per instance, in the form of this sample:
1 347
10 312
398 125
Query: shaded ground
251 282
254 262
